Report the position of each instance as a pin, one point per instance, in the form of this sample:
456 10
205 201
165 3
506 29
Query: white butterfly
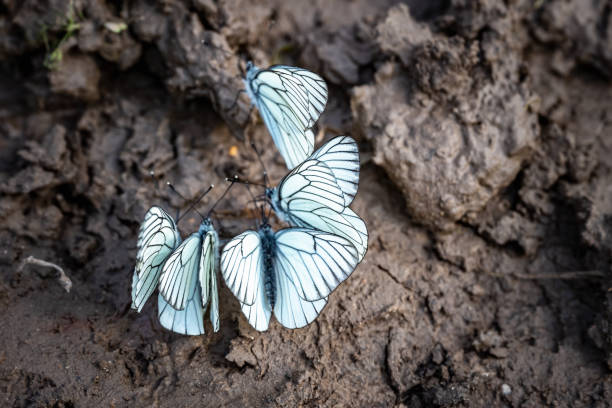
186 273
316 194
188 282
157 238
290 100
292 272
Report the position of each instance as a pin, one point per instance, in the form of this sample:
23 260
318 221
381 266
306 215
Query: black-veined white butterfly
188 283
317 193
292 272
290 100
157 238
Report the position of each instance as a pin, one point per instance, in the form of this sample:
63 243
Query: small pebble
506 390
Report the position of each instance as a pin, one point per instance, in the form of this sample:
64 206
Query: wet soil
485 131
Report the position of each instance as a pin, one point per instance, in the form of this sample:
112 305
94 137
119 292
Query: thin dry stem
63 278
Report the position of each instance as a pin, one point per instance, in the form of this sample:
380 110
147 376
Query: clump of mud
486 134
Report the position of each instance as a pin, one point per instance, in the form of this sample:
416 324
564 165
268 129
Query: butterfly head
265 229
206 226
270 192
272 197
251 71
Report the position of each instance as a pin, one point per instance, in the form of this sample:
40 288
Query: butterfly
185 272
290 100
291 271
188 283
316 194
157 238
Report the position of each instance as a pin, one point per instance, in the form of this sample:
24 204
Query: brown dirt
486 136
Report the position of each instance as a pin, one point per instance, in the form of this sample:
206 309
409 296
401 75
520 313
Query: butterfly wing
258 314
310 181
157 238
359 226
242 269
346 224
214 301
290 101
208 277
180 272
311 84
290 309
315 262
188 321
309 197
341 155
242 266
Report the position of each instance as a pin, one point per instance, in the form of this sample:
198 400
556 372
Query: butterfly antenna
265 172
193 204
238 180
175 191
232 182
235 103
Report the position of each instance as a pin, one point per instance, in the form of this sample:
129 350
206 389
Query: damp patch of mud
486 185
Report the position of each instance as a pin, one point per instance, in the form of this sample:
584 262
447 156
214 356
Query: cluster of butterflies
291 271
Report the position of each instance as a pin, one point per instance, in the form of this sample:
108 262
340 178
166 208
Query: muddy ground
485 130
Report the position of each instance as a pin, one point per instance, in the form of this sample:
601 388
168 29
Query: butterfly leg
235 103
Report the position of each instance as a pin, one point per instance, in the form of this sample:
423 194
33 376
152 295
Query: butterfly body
274 200
251 71
206 227
268 245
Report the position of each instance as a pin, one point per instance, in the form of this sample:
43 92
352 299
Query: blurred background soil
485 130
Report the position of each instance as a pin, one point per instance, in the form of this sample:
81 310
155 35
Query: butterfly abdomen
268 249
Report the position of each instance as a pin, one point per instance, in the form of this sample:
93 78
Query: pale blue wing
241 266
341 155
290 101
309 197
316 262
258 314
347 224
358 225
289 308
242 269
312 84
180 272
134 285
208 276
214 301
313 181
294 145
189 321
157 238
205 269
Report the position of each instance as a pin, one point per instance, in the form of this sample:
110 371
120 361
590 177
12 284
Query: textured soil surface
485 130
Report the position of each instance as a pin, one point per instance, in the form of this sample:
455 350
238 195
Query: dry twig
63 278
